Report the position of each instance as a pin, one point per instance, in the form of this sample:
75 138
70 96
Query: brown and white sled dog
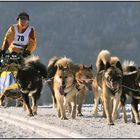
65 90
109 80
83 76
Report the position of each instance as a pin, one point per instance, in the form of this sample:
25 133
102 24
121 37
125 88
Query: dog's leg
115 108
122 104
62 108
58 110
124 114
108 112
134 105
34 104
26 101
50 84
103 108
6 101
132 117
107 102
2 97
18 103
69 108
73 105
24 106
96 95
82 95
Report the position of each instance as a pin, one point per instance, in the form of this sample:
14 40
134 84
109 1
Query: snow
86 126
11 131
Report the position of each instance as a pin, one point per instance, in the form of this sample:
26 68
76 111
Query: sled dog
131 90
64 87
109 80
30 79
83 76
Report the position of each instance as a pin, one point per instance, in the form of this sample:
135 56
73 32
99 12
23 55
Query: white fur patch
128 63
31 58
24 91
51 61
64 60
32 92
99 90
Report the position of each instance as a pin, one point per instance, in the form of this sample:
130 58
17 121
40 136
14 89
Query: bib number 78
20 38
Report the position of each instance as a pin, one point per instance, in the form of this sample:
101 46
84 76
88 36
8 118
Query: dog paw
79 114
133 121
35 113
30 115
94 115
104 115
59 115
138 123
64 118
73 116
110 123
125 121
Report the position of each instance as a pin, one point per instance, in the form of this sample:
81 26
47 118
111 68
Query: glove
2 53
26 53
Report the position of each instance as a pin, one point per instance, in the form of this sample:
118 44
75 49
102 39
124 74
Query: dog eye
88 76
118 78
60 76
66 77
110 79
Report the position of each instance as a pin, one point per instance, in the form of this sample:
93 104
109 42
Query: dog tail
103 58
34 62
129 66
51 68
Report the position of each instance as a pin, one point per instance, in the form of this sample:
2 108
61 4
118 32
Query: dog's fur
51 70
131 89
83 75
30 79
108 79
64 87
84 78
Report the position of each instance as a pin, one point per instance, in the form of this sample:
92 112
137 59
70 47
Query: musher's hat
23 15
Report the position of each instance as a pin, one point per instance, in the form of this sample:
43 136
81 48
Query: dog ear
81 66
60 67
107 65
90 66
68 67
118 65
51 72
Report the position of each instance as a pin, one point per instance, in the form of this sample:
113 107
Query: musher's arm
32 41
9 37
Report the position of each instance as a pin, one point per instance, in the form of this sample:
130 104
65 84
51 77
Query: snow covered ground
85 127
11 131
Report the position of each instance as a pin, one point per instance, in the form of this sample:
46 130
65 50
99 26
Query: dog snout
63 84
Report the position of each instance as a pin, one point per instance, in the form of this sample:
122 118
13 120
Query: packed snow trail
11 131
47 125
